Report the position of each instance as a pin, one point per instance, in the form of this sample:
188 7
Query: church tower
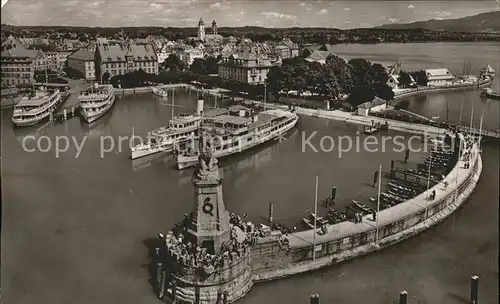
214 28
209 223
201 30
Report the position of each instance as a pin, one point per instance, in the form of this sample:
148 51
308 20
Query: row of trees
202 66
358 78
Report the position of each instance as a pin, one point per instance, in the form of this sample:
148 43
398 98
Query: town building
287 49
438 77
248 67
320 56
57 60
124 58
18 64
213 38
83 61
376 105
191 54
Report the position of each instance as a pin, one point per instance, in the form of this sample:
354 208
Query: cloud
303 4
393 20
323 11
156 6
411 6
219 6
383 17
347 21
440 15
242 13
347 9
94 4
274 15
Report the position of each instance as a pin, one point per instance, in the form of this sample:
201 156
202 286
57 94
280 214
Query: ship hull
90 118
45 117
150 151
183 162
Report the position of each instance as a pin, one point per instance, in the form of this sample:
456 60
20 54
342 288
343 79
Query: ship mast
173 94
315 217
378 199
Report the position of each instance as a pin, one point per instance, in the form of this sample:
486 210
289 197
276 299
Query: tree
211 64
404 79
379 73
275 81
105 77
361 95
420 77
384 91
198 67
361 69
173 63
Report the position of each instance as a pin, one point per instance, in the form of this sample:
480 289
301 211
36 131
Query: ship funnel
199 107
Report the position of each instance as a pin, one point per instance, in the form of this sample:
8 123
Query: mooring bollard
315 299
474 289
162 284
158 275
403 297
271 212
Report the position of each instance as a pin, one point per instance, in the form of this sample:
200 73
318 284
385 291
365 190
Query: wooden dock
68 109
374 127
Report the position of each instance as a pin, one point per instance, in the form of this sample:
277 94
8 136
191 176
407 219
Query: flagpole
315 216
461 110
457 166
378 200
265 94
173 102
481 128
428 185
471 116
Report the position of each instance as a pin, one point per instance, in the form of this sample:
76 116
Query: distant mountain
485 22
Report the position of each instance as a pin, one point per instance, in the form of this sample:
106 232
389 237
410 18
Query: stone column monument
209 223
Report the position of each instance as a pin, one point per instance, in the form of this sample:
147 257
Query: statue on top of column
207 162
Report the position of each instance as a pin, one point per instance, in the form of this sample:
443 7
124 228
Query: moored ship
234 130
180 128
96 101
35 108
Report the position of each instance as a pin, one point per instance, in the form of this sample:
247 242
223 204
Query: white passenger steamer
96 101
37 107
236 129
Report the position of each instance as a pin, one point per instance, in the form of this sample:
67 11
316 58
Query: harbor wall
441 89
271 262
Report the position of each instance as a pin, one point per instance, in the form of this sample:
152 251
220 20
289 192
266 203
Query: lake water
74 230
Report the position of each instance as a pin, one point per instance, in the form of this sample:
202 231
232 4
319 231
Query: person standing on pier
407 155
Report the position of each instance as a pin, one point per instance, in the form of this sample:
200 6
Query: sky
186 13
